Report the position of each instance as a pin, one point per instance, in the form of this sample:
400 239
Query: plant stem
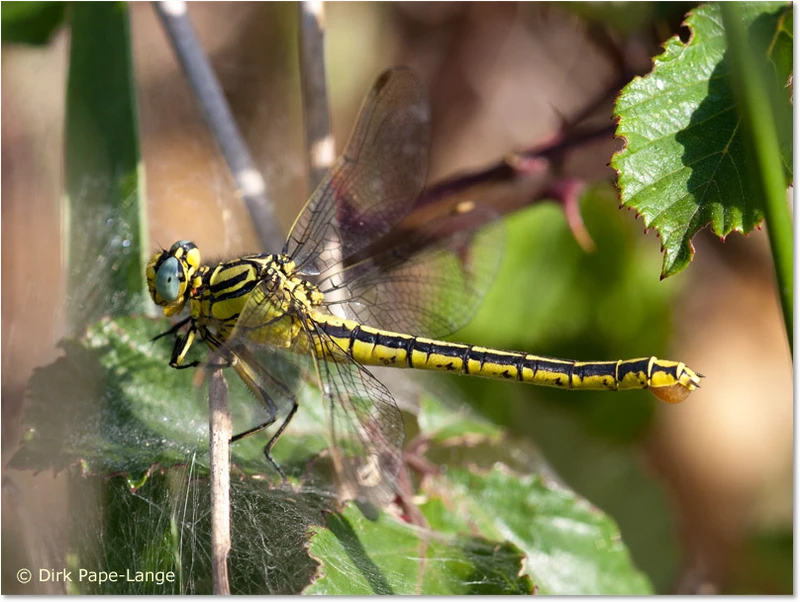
755 109
207 91
219 447
320 146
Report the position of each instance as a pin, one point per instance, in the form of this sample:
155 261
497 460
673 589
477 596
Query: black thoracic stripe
570 373
221 286
235 317
245 290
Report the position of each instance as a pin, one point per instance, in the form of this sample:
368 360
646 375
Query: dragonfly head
172 274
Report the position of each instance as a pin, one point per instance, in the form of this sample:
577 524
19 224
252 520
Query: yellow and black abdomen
670 381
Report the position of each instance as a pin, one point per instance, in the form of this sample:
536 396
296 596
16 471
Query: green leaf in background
684 165
571 547
625 17
360 557
109 405
443 425
765 566
105 242
30 22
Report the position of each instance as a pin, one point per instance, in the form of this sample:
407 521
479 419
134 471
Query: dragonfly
352 289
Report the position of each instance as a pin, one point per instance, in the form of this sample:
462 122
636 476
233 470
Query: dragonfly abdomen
670 381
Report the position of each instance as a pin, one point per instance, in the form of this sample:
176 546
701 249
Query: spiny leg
182 345
248 378
276 436
174 329
193 364
273 410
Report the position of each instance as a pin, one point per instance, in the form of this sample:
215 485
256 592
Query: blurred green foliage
30 22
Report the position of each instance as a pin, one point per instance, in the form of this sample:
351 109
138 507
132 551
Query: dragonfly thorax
281 277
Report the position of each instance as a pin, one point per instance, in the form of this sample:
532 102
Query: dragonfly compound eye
167 280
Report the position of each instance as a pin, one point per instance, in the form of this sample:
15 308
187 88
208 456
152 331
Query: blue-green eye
167 282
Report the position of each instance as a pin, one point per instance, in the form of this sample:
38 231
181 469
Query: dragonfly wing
365 426
429 280
374 183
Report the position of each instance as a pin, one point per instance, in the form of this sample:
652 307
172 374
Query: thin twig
219 422
320 147
208 93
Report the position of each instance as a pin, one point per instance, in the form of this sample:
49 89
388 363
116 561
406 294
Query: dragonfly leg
185 366
245 373
275 437
174 329
182 345
268 446
266 424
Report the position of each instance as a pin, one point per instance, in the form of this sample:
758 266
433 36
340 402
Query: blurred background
703 491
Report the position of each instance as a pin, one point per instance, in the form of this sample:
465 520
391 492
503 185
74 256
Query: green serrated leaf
107 404
361 557
685 165
30 22
571 547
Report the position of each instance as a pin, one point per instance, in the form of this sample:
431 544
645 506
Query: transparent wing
374 183
427 279
364 423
